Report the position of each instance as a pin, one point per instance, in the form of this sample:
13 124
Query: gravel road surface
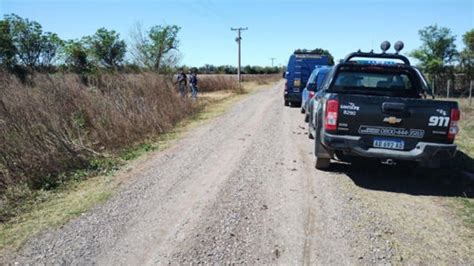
243 189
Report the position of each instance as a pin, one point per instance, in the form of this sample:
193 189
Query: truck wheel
302 110
310 126
322 163
306 118
287 103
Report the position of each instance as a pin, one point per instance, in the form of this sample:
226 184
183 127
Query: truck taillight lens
332 110
311 94
453 125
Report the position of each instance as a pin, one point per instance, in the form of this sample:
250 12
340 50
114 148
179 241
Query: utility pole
238 39
273 59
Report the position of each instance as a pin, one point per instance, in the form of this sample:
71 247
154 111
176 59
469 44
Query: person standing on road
182 83
193 80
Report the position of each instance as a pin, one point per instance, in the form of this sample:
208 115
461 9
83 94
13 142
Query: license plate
297 83
389 144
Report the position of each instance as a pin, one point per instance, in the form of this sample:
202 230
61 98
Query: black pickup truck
378 109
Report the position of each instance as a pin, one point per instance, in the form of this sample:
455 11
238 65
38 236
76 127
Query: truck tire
306 118
287 103
302 110
322 163
310 126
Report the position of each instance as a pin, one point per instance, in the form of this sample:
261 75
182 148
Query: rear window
375 81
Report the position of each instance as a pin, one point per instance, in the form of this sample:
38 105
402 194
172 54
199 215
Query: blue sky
276 28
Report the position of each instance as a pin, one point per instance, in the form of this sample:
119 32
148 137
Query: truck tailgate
394 123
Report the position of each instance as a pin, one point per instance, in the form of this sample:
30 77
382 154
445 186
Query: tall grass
62 122
263 79
210 83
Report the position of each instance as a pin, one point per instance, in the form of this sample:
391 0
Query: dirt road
243 189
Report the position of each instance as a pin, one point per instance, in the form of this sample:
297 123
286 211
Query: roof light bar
385 46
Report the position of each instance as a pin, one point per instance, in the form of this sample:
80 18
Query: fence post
449 87
470 93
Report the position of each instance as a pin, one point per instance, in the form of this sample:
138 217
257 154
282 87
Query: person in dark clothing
182 83
193 80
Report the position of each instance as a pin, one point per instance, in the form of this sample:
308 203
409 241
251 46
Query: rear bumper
424 152
291 96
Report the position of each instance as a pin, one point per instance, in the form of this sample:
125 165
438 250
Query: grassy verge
53 208
465 158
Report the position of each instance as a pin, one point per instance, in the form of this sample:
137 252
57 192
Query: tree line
228 69
24 46
439 57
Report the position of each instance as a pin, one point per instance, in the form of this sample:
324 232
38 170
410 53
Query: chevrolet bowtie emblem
392 120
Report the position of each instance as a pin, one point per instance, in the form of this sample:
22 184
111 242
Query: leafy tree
467 55
7 48
155 48
317 51
23 40
468 39
77 56
438 49
27 38
163 40
50 48
107 47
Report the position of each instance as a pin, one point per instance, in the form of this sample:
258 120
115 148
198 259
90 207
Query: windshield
372 80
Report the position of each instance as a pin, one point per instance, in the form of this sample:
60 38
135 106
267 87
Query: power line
238 40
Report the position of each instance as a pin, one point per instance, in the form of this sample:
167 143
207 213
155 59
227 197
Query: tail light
332 110
311 94
453 125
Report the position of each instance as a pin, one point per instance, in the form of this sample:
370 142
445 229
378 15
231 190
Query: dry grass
62 127
210 83
465 158
262 79
465 139
69 201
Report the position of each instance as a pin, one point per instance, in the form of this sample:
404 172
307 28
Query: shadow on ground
449 181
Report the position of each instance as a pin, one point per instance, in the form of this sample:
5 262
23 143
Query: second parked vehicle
314 84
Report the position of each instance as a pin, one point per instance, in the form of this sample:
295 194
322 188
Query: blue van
300 66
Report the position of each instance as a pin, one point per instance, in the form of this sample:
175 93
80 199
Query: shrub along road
243 188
